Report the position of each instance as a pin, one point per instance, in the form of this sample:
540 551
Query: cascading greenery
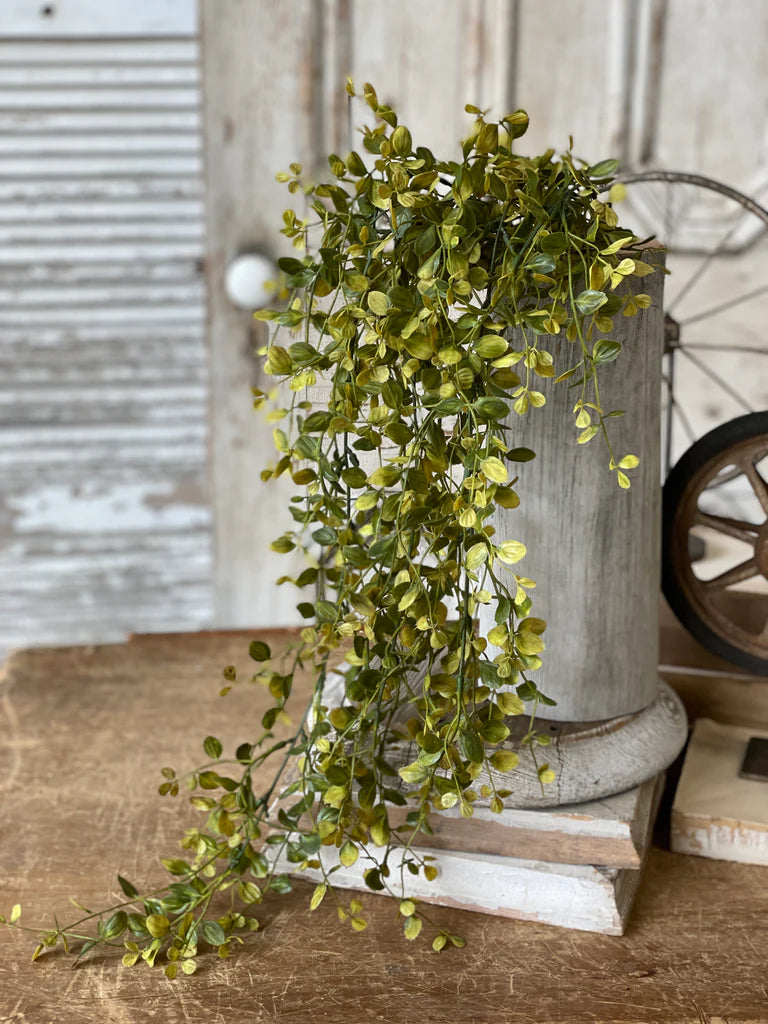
438 300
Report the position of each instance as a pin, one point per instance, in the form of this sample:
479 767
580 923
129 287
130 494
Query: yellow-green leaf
334 796
413 773
367 501
407 908
511 551
498 635
380 832
583 419
615 246
411 595
629 462
529 643
505 760
587 435
419 346
476 555
401 141
412 928
623 480
491 346
467 518
384 476
378 303
510 703
348 854
317 896
157 925
494 469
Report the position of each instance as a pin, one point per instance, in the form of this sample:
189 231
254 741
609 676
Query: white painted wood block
586 898
715 813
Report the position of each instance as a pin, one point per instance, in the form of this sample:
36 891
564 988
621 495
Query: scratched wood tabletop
83 733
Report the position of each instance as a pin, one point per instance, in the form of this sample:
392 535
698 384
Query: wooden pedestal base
576 867
591 760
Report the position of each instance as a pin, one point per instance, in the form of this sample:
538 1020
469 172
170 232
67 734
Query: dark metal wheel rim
701 594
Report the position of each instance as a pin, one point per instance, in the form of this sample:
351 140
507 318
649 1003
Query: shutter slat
101 143
74 212
64 122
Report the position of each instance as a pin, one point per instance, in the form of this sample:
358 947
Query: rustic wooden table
83 732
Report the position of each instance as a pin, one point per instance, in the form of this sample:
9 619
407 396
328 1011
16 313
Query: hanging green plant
434 301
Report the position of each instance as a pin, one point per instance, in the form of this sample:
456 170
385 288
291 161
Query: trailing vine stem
419 287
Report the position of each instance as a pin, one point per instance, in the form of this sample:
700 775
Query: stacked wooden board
577 867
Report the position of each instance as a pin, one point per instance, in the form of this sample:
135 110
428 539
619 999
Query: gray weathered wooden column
594 552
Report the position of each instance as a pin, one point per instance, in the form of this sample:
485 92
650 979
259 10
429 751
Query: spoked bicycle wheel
716 311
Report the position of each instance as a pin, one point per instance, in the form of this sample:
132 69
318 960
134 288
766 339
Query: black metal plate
755 763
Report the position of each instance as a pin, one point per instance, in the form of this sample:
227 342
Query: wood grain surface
83 734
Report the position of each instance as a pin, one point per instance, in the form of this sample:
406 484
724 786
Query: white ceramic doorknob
250 281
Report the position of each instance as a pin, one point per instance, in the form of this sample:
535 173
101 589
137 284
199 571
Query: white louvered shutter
104 513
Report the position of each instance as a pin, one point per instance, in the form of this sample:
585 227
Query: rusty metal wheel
725 606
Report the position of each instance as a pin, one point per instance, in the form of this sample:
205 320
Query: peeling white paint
93 507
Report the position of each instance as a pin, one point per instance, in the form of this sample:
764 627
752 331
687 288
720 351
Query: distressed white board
715 812
105 521
579 896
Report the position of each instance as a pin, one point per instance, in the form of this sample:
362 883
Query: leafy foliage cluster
440 299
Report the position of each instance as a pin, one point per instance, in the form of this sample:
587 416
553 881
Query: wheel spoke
737 528
759 485
724 477
739 399
698 273
705 314
729 578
